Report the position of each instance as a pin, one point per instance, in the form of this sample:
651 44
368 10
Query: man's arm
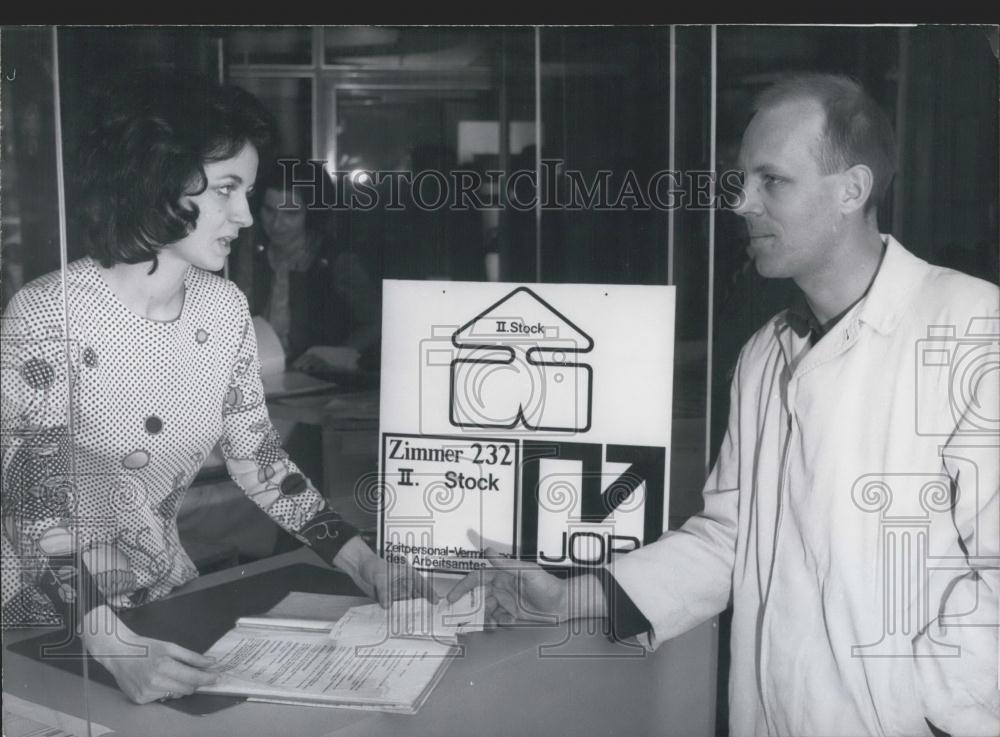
669 586
685 577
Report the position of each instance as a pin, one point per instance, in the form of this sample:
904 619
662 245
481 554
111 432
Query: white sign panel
531 418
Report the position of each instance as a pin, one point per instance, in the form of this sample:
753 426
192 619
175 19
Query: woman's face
222 211
283 222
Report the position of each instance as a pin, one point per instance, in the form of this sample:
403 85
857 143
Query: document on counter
358 661
413 619
324 607
26 719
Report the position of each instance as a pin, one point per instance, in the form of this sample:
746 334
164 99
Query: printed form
369 657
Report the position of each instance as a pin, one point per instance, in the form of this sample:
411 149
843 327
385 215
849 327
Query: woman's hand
145 669
382 580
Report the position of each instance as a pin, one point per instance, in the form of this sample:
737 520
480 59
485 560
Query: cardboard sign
531 418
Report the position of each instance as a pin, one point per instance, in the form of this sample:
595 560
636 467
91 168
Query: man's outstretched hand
516 590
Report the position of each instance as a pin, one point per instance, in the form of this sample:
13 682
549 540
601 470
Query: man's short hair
857 130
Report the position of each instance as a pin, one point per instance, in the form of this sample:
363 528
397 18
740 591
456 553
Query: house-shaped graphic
517 366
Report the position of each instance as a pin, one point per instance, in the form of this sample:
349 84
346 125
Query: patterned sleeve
44 580
259 464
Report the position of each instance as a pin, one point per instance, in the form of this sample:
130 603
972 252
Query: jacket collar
890 294
885 303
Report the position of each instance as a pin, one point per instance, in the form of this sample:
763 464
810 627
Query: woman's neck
157 296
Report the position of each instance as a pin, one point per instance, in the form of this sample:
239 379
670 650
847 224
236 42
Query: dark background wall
604 108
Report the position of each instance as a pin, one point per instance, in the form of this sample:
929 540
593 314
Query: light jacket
852 515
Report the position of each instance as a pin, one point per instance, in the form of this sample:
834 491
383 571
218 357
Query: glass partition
287 46
615 201
289 99
29 248
586 155
50 83
29 231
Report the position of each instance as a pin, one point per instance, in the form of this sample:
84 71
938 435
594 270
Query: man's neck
846 279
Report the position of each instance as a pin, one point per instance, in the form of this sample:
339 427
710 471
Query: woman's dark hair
148 150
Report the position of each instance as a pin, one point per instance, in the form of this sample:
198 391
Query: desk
501 686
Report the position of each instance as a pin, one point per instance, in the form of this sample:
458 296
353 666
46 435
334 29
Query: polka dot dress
149 401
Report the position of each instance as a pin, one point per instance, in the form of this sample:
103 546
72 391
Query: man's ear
856 188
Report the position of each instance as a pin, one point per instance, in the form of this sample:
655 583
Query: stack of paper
412 619
369 658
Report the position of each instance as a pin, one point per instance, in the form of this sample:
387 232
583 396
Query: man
852 515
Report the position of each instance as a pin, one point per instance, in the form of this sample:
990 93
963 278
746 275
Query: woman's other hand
145 669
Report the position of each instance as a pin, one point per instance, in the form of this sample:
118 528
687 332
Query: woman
110 408
307 281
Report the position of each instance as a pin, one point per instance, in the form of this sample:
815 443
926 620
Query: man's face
790 207
283 218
